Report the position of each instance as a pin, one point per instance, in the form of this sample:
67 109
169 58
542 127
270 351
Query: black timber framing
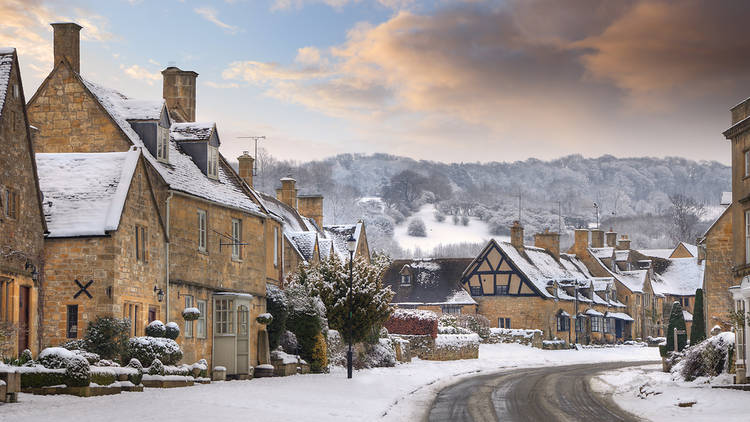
495 272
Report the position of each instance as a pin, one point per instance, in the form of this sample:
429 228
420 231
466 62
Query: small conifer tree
676 320
698 330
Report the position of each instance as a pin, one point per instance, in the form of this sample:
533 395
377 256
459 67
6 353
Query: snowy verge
648 392
401 393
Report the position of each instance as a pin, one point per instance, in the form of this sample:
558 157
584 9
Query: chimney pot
624 243
178 90
67 44
611 238
246 167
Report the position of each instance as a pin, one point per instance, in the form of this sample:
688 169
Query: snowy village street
402 393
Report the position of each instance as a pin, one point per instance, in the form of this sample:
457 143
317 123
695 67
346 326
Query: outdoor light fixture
351 243
159 293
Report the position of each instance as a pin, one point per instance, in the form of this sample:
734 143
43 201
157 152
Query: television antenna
255 161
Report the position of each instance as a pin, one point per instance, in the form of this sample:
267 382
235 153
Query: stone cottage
21 218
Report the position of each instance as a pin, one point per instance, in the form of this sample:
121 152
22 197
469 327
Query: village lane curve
556 393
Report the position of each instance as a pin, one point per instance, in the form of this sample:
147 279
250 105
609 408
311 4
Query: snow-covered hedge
191 314
146 349
379 355
156 328
709 358
449 329
457 340
413 322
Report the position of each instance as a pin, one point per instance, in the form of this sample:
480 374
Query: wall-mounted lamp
159 293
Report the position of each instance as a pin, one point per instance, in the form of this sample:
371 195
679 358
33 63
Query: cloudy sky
446 80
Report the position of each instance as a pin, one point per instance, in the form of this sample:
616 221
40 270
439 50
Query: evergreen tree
676 320
698 330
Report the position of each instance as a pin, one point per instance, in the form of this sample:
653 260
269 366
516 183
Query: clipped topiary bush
676 321
698 329
156 368
156 329
78 372
147 349
288 343
319 358
42 377
102 376
136 377
172 330
107 337
413 322
56 357
277 307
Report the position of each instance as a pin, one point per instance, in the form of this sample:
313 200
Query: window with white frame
224 316
563 322
501 290
503 322
243 320
200 326
405 279
202 231
275 246
236 238
213 162
596 324
162 143
451 309
189 303
607 325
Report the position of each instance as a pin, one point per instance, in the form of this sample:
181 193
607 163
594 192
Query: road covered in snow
649 393
552 393
402 393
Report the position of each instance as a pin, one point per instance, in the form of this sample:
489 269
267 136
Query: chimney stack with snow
611 238
311 206
516 235
580 242
624 243
550 241
597 238
288 192
179 93
246 167
67 44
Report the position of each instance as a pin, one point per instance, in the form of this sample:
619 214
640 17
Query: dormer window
162 143
213 162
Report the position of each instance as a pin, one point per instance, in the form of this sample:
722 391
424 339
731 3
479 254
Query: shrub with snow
107 337
156 368
288 342
172 330
417 228
77 344
465 220
156 328
191 314
413 322
709 358
276 304
147 349
439 216
135 364
379 355
56 357
264 318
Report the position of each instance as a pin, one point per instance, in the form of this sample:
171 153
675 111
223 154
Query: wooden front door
23 318
151 314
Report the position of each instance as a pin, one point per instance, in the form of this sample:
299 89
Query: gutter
246 211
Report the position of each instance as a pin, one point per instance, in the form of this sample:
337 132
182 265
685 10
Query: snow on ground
648 392
442 233
402 393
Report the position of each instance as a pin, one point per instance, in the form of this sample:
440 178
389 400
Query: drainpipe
166 256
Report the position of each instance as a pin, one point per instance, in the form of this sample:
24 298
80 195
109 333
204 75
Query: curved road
558 393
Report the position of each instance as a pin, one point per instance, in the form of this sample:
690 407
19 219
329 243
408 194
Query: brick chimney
549 241
312 206
611 238
288 192
580 242
67 44
179 92
597 238
516 235
246 167
624 243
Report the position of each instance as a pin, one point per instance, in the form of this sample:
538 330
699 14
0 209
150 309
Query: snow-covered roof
691 248
622 255
540 267
620 315
339 234
602 253
325 246
84 193
305 242
682 277
181 173
687 315
191 131
435 282
593 312
602 283
726 198
656 253
633 280
6 64
599 300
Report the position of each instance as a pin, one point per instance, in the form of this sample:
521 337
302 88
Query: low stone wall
419 346
444 347
555 345
10 385
402 348
531 338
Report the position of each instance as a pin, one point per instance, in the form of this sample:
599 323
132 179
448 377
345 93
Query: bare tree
686 214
